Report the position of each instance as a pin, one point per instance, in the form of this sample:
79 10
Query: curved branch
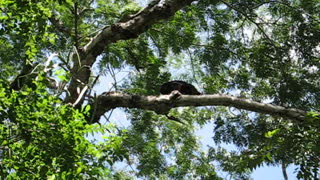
163 103
131 28
135 25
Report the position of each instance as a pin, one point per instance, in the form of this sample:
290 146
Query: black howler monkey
181 86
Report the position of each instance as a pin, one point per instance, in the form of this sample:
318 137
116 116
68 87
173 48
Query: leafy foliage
267 51
42 138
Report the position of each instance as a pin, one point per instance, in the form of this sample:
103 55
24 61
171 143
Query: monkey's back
181 86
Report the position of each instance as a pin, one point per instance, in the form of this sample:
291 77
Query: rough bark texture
131 28
162 104
85 57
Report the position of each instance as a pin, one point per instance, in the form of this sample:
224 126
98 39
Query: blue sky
262 173
205 133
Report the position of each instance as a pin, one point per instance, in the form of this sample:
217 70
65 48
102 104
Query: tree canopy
256 64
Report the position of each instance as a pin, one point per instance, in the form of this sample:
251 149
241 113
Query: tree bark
84 58
163 103
131 28
284 171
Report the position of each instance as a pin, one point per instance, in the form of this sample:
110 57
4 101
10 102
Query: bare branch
136 25
131 28
284 171
76 21
162 104
28 73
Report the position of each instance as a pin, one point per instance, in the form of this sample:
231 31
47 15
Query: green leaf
52 177
272 133
79 169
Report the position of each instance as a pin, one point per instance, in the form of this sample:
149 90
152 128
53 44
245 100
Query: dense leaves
42 138
266 51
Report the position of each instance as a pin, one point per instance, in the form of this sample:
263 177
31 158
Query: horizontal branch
123 30
163 103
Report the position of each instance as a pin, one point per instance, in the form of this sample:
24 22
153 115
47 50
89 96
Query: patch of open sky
206 132
118 117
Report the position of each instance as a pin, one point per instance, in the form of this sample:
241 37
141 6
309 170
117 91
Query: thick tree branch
131 28
135 25
162 104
